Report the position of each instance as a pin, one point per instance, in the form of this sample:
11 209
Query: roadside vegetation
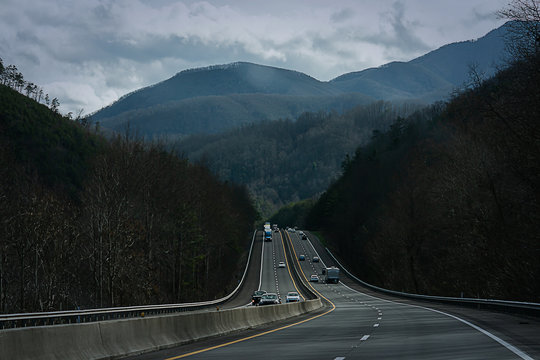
447 201
92 222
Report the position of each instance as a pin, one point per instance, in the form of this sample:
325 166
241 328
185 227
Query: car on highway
269 299
314 278
300 232
301 257
315 259
292 296
281 264
304 237
256 297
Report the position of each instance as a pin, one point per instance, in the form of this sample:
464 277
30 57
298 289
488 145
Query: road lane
285 278
268 272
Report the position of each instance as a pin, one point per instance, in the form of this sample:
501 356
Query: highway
357 324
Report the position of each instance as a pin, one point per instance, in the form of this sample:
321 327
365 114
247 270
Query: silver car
292 296
269 299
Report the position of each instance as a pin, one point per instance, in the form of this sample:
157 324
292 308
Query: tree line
13 78
111 222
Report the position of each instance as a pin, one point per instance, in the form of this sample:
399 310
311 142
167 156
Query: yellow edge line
312 288
247 338
288 268
269 331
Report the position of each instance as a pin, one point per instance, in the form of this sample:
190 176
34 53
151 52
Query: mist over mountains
217 98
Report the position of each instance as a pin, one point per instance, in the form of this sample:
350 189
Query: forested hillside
284 160
447 205
88 222
214 114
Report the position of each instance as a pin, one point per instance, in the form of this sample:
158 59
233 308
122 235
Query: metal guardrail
529 308
8 321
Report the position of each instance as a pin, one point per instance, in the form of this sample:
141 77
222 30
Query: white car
314 278
293 296
281 264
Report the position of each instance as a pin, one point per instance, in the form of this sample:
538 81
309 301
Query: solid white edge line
313 247
510 347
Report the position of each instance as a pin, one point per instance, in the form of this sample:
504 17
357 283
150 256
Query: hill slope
213 114
287 160
89 222
35 137
219 80
432 76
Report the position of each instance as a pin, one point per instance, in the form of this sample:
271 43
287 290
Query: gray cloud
404 36
342 15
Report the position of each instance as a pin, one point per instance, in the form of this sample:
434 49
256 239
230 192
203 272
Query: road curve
363 325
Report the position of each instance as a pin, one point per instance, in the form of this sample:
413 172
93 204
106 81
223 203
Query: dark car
315 259
256 297
301 257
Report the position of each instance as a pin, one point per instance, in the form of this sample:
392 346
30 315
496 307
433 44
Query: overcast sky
88 53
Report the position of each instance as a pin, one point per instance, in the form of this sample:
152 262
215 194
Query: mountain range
220 97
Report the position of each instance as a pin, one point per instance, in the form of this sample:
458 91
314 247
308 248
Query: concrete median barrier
116 338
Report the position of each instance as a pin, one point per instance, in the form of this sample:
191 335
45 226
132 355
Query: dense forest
446 201
177 119
284 161
93 222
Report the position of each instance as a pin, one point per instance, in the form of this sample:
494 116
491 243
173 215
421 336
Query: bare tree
55 104
523 39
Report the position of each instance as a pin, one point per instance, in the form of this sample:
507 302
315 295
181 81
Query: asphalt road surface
275 279
361 324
